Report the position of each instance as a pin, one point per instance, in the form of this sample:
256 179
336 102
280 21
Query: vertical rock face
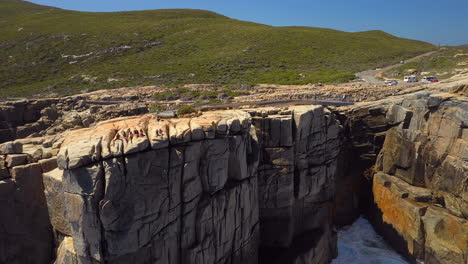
298 163
146 191
199 190
364 132
421 188
25 230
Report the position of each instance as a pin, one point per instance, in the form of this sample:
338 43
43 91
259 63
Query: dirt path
371 76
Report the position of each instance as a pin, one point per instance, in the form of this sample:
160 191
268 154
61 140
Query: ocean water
360 244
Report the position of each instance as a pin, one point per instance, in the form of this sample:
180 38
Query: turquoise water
360 244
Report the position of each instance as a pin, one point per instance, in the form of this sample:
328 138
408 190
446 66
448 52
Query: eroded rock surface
41 117
189 190
25 229
421 188
163 191
227 186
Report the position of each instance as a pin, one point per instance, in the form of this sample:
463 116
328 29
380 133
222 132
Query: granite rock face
228 186
364 129
170 191
200 190
421 187
296 175
25 229
144 190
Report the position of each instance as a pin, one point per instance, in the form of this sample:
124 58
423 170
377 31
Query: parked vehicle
411 79
430 79
391 82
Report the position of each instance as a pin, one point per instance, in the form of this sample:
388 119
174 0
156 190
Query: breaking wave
359 243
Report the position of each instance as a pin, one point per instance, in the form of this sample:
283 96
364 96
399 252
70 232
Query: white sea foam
360 244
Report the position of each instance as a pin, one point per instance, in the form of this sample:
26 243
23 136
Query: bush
209 94
185 110
164 96
234 93
155 108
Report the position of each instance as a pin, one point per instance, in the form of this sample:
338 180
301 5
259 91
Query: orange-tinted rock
403 214
446 237
431 232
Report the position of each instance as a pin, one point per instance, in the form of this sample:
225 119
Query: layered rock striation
421 184
155 191
200 190
296 176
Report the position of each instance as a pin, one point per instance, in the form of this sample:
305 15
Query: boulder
55 197
66 253
11 148
446 237
13 160
48 164
404 214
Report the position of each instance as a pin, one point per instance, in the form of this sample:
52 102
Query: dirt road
370 76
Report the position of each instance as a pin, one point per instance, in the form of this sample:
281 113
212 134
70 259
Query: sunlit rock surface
421 187
200 190
228 186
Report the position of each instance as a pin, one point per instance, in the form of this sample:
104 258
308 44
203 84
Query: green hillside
44 49
444 63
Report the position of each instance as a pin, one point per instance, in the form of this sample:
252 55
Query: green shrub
191 93
185 110
165 96
210 94
214 101
155 108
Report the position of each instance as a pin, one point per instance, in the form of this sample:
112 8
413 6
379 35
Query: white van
411 79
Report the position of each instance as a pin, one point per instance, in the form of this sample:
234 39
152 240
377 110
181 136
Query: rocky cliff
154 191
421 187
42 117
296 175
409 159
25 230
255 185
200 190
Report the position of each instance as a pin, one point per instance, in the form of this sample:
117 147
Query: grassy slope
442 64
173 47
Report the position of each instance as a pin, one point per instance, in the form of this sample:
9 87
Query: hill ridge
63 51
